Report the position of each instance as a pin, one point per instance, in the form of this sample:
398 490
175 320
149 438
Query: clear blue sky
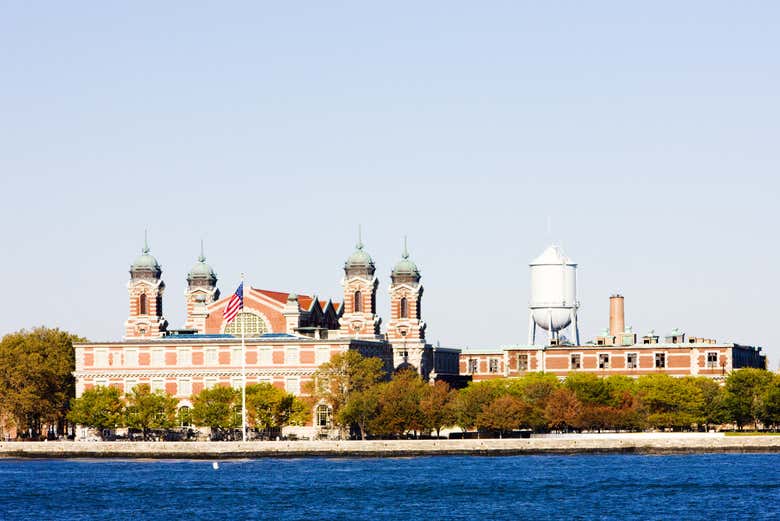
647 134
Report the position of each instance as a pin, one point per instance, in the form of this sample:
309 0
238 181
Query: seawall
628 444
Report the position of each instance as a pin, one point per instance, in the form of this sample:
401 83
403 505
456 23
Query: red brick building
617 351
287 335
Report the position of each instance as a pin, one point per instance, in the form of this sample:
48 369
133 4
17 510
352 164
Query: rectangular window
129 384
265 380
291 356
632 361
235 356
101 382
660 360
210 357
522 362
158 358
293 385
184 357
266 356
210 383
236 382
184 387
322 355
131 358
157 385
493 367
101 358
603 361
473 366
575 361
712 359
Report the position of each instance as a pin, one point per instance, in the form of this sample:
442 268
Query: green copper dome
145 261
145 264
201 271
405 266
359 258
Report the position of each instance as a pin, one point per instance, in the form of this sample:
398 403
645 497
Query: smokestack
617 318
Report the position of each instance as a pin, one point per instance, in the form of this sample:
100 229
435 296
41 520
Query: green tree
36 378
675 403
361 409
588 388
435 408
713 409
344 374
269 407
534 389
769 410
745 389
147 410
504 414
469 402
99 408
218 408
399 404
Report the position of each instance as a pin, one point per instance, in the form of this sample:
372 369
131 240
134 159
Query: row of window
129 357
575 362
184 385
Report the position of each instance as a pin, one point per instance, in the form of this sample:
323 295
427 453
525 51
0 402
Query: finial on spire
202 257
405 254
146 243
359 244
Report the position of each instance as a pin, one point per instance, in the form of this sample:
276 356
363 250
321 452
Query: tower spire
146 242
202 257
359 244
405 253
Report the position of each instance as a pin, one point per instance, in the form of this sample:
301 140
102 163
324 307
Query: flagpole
243 374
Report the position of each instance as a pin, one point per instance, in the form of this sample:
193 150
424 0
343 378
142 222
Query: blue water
738 486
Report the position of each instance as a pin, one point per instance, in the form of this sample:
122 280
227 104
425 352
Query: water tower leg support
552 333
575 327
531 329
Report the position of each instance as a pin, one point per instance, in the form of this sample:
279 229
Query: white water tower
553 305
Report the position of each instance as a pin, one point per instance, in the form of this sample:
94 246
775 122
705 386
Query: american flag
235 304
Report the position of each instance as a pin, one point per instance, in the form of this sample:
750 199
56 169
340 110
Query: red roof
304 301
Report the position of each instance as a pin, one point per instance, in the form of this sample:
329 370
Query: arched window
142 304
358 301
254 325
324 416
404 305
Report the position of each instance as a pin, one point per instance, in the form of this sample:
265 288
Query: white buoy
215 465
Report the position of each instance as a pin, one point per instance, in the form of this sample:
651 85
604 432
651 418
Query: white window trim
636 355
527 361
180 352
666 359
582 362
598 361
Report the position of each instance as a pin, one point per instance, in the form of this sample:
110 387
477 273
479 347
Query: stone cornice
190 372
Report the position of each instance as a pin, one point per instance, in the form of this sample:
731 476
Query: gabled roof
304 301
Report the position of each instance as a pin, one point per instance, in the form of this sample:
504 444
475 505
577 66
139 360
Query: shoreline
570 445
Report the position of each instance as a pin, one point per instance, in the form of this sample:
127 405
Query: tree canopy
36 378
99 408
